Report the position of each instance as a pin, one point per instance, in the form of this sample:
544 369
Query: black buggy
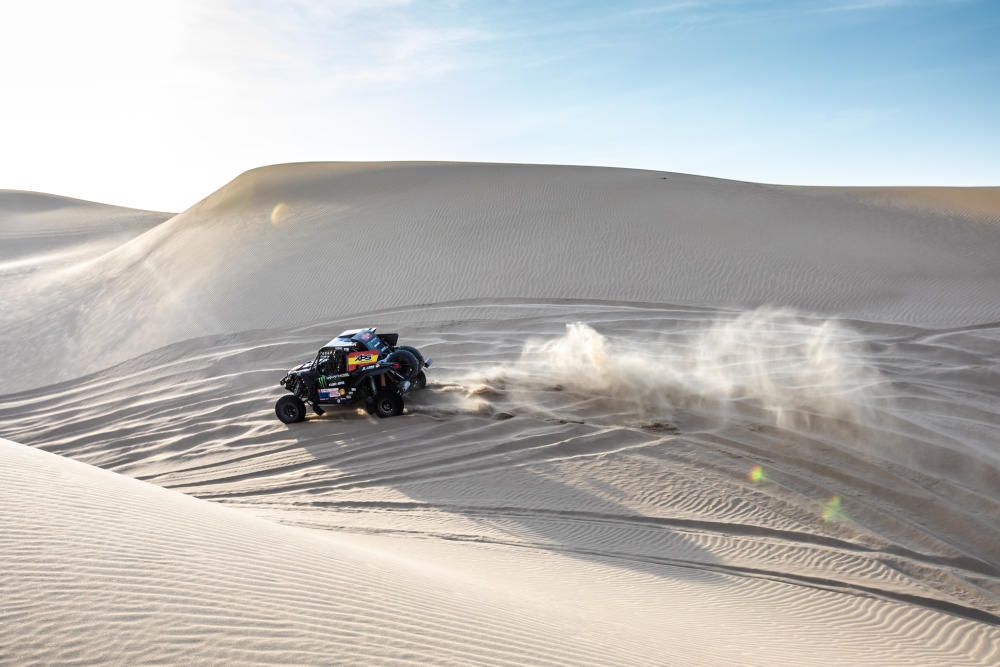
357 367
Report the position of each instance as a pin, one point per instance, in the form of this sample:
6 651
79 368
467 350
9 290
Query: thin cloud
669 8
353 42
863 6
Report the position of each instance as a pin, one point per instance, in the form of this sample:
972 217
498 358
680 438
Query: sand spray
793 368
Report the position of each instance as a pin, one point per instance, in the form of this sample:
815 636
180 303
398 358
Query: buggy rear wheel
415 352
385 404
290 409
408 364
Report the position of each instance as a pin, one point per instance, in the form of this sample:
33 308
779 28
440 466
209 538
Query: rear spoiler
390 338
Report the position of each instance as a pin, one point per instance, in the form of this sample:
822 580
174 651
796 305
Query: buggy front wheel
290 409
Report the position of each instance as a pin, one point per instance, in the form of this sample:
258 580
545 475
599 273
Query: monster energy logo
325 381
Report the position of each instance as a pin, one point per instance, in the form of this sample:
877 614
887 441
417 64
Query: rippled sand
699 443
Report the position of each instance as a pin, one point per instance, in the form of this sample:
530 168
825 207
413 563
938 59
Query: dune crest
39 230
297 240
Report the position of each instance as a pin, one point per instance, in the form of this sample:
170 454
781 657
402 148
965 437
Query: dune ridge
38 228
981 204
321 240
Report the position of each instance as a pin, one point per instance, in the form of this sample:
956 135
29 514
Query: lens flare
279 212
757 474
832 510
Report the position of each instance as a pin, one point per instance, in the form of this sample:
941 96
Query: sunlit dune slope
299 242
982 204
97 567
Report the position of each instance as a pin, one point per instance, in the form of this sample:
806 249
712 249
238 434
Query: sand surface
671 420
978 204
39 230
311 241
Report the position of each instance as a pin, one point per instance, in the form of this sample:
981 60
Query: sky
157 104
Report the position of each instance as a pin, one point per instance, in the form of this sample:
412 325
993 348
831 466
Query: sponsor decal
356 359
332 394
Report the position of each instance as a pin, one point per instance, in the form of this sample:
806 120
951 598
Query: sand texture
671 420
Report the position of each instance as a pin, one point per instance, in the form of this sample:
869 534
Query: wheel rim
290 411
386 406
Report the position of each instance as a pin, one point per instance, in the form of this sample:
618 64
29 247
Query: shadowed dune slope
300 242
46 243
38 228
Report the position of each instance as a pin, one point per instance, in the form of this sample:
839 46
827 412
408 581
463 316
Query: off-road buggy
357 367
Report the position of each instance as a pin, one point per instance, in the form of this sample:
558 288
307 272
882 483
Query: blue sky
157 104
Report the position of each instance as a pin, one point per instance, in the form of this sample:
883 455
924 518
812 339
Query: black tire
415 352
290 409
421 381
408 364
385 404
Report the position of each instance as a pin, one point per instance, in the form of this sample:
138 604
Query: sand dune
101 568
671 420
39 229
46 241
313 241
645 516
980 204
